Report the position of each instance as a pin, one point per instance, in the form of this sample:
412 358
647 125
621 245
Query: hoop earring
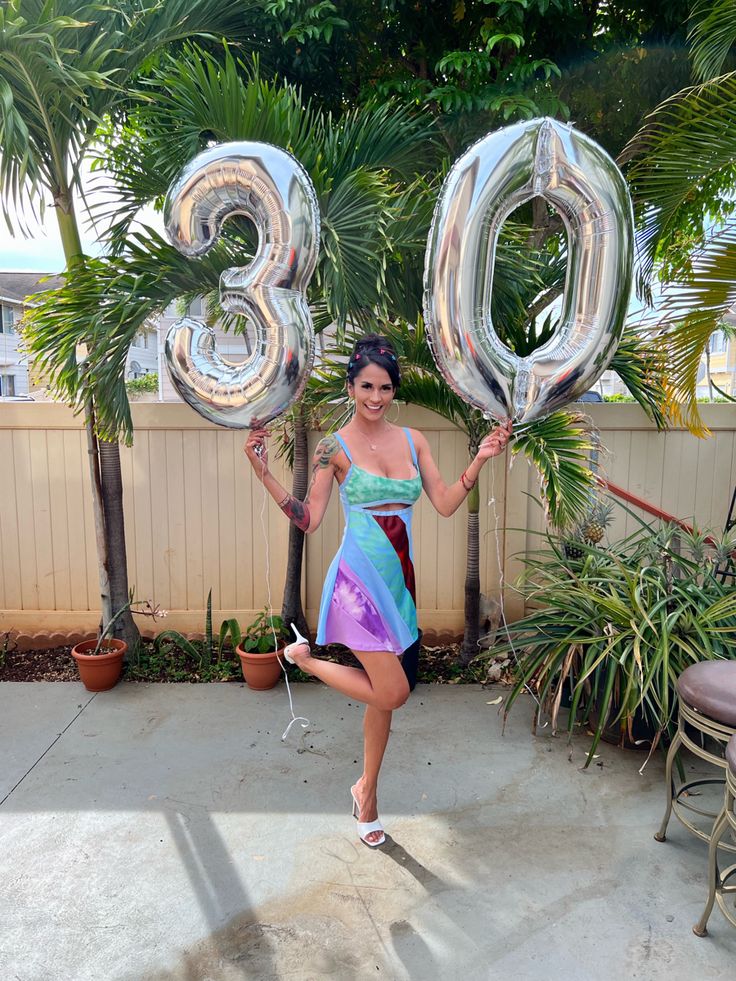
398 413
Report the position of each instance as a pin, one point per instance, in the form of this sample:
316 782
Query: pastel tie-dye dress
369 597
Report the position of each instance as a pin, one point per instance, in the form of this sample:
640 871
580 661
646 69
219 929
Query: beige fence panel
196 517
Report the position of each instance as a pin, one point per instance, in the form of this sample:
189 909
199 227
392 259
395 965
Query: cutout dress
369 597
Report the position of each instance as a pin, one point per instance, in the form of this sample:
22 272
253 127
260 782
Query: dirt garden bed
440 665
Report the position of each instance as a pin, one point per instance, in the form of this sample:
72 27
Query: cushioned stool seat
707 705
719 887
709 687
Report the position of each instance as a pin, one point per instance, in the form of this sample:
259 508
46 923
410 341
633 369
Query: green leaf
712 36
516 39
181 641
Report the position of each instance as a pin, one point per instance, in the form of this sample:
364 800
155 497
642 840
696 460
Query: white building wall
142 355
12 363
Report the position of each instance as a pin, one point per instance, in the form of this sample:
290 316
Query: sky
42 252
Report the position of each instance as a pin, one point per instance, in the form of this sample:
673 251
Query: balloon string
294 718
502 579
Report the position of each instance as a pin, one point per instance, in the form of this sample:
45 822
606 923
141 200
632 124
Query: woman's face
373 392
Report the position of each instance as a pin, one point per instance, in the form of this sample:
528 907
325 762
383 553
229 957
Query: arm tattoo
326 449
296 511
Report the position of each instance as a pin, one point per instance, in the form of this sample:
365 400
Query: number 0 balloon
271 188
551 160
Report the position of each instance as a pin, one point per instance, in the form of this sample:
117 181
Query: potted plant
209 652
613 628
261 651
100 660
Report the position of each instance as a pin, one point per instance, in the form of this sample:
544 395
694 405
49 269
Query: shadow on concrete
207 848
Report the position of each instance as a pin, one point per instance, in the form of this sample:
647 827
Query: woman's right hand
256 450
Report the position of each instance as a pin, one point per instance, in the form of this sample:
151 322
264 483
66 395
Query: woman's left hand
495 442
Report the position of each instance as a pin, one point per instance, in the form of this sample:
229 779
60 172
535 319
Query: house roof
20 285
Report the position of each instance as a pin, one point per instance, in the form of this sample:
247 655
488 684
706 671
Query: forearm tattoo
296 511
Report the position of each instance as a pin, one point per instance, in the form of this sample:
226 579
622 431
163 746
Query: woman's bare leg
382 684
376 730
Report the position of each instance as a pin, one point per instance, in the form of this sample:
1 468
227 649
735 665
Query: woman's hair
374 349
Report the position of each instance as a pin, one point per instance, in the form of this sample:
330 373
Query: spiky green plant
205 650
618 628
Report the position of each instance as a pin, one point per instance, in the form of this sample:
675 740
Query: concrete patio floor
165 833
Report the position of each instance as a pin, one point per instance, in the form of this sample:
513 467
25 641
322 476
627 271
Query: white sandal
366 827
297 643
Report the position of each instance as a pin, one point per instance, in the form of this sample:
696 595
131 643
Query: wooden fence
197 519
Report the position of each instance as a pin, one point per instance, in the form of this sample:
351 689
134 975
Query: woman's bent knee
395 698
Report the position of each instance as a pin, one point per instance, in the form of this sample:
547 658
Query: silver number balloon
549 159
271 188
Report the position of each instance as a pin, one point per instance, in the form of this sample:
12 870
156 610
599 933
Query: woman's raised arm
306 514
447 498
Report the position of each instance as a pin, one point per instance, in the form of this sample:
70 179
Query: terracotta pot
261 671
100 672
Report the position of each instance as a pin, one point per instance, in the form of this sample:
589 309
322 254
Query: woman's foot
299 652
365 809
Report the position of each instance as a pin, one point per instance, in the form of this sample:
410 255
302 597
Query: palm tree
682 169
63 67
361 166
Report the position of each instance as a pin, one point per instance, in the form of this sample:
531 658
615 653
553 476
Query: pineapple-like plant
617 630
589 530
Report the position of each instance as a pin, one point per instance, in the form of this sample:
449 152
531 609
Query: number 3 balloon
271 188
544 158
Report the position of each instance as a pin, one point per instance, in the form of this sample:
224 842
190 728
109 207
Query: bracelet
463 477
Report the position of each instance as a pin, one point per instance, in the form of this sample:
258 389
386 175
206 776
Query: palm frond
692 310
642 366
354 243
559 446
185 103
407 231
522 275
381 135
712 36
684 167
65 65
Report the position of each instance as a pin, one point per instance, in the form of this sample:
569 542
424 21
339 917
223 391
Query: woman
369 601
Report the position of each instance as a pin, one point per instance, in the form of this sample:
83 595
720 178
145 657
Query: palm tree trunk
66 219
291 609
104 466
472 581
112 503
103 563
